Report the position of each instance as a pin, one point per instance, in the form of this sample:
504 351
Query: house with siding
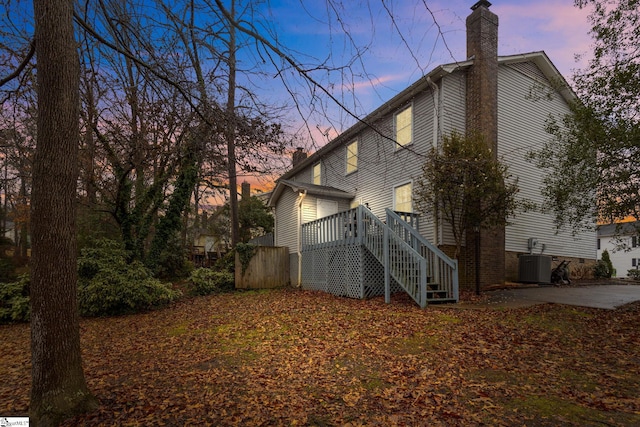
622 242
371 169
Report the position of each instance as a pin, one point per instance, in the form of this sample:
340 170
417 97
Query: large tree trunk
58 385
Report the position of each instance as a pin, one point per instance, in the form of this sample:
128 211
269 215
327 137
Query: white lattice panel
335 271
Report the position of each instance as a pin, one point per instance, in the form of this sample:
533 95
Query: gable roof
539 58
619 229
313 189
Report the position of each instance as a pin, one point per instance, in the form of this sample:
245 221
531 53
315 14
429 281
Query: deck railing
333 230
407 257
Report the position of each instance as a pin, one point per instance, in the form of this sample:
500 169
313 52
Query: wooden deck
353 253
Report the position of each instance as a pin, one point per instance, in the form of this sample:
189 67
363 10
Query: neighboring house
375 163
207 248
622 241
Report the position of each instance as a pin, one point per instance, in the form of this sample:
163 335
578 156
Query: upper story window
352 157
402 198
404 126
634 242
317 178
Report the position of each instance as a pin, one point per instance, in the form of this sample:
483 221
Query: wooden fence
267 269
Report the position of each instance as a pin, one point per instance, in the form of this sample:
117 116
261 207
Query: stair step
437 294
441 300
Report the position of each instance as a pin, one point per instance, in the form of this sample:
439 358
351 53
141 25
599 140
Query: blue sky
422 35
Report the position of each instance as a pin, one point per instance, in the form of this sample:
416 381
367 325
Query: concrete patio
607 297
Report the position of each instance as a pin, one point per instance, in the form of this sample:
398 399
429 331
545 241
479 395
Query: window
404 126
317 179
634 262
326 208
634 242
352 157
598 244
402 198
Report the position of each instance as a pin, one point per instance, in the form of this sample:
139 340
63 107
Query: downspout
436 128
301 197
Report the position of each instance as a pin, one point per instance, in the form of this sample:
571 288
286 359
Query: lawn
290 357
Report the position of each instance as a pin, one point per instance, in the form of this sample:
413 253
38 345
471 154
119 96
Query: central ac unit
534 269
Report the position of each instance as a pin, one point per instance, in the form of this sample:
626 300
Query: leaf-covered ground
288 357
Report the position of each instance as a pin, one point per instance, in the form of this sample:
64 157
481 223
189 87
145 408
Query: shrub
204 281
14 301
174 261
7 270
634 274
601 270
227 262
108 285
607 260
103 255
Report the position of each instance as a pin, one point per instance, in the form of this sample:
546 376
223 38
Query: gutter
436 128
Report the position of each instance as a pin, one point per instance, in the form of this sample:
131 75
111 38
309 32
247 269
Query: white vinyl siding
452 110
521 128
404 126
286 214
352 157
325 208
380 166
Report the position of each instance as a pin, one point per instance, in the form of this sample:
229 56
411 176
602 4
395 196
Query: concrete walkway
599 296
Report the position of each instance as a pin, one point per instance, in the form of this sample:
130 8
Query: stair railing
441 269
401 262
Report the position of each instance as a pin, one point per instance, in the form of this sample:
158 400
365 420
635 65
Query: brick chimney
482 79
482 118
245 190
298 156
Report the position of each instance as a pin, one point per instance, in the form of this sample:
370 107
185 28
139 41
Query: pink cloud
557 27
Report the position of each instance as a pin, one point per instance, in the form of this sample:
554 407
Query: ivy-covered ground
290 357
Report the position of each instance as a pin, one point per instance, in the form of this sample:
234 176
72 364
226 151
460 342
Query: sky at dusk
400 41
361 53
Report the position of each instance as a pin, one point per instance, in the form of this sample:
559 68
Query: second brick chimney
298 156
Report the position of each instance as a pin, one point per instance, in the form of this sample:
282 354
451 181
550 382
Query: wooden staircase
426 273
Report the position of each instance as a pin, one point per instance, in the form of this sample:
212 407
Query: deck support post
387 274
423 283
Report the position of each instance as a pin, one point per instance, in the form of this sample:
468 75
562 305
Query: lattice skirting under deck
350 271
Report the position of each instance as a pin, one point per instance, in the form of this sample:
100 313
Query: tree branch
22 66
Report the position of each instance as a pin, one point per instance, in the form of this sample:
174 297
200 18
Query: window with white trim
317 178
403 198
352 157
634 242
404 126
